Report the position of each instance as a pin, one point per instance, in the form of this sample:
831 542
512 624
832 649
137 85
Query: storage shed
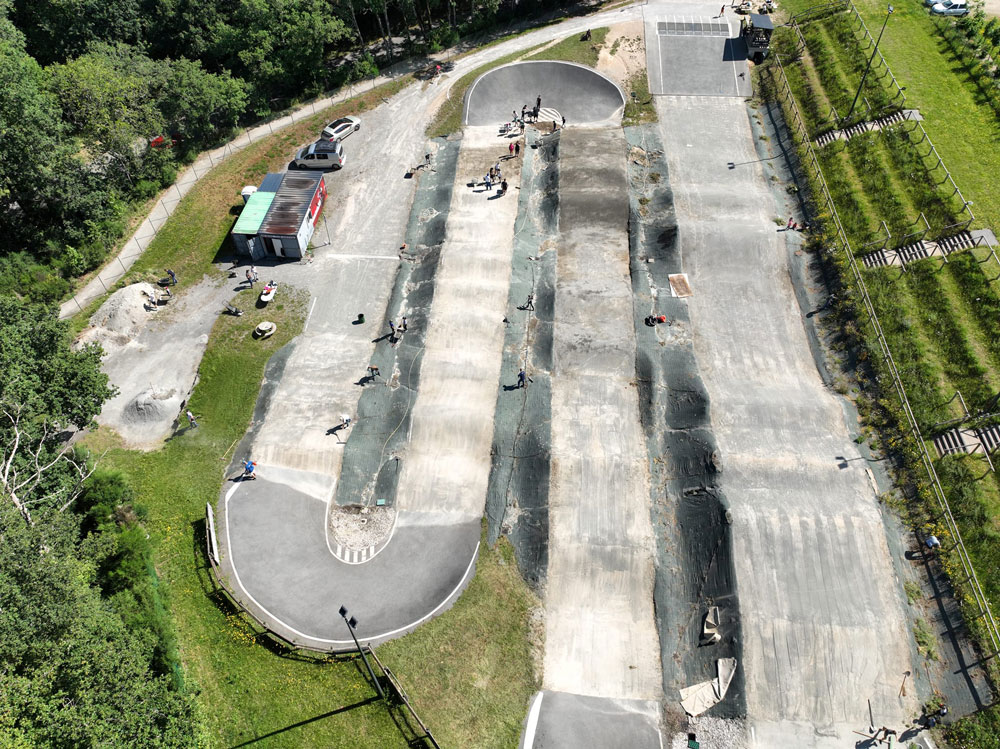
279 219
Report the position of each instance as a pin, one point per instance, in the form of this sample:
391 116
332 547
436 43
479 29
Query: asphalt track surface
578 93
694 54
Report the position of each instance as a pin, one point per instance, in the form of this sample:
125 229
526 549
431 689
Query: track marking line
532 724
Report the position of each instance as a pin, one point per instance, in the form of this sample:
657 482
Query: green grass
926 640
913 591
964 129
571 49
639 108
245 689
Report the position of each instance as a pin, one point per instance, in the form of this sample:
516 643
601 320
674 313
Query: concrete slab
822 613
580 94
695 55
601 637
559 720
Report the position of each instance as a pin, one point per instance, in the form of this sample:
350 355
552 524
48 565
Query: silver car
340 129
951 8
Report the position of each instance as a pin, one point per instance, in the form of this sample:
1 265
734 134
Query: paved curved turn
579 93
275 541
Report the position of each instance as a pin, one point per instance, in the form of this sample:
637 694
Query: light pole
351 624
869 67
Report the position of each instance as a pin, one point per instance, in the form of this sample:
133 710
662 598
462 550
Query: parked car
951 8
323 154
340 129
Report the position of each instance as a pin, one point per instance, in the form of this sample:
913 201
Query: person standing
538 102
392 329
524 108
250 278
404 324
503 187
722 12
517 149
173 276
510 150
191 420
487 182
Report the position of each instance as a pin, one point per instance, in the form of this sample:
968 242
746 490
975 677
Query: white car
340 129
951 8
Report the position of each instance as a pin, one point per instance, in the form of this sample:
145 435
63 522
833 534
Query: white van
322 154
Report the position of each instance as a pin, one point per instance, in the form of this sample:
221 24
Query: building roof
271 181
291 203
253 213
761 21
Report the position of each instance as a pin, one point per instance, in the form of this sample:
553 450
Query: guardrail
972 581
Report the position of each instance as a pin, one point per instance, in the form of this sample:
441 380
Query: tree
45 389
109 104
60 29
71 672
199 106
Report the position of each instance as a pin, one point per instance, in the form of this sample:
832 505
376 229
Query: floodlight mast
351 624
869 67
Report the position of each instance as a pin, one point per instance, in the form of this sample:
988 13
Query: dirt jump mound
578 93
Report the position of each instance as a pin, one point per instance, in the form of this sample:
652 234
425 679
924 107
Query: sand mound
151 407
120 319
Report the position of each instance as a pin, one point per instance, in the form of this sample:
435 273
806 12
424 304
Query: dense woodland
100 102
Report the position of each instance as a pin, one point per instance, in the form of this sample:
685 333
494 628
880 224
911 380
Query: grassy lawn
964 132
571 49
469 672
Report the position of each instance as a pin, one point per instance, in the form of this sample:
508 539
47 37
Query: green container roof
253 213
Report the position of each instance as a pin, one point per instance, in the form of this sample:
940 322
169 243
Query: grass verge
247 688
574 49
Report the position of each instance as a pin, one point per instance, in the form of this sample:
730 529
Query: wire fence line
812 163
909 125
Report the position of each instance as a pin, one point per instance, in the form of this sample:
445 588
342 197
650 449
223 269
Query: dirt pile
120 319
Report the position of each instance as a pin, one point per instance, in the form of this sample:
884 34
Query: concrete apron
601 638
446 464
822 620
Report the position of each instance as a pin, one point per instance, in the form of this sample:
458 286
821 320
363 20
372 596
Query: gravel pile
713 733
357 528
120 319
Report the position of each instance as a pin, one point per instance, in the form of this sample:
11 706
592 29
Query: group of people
495 177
